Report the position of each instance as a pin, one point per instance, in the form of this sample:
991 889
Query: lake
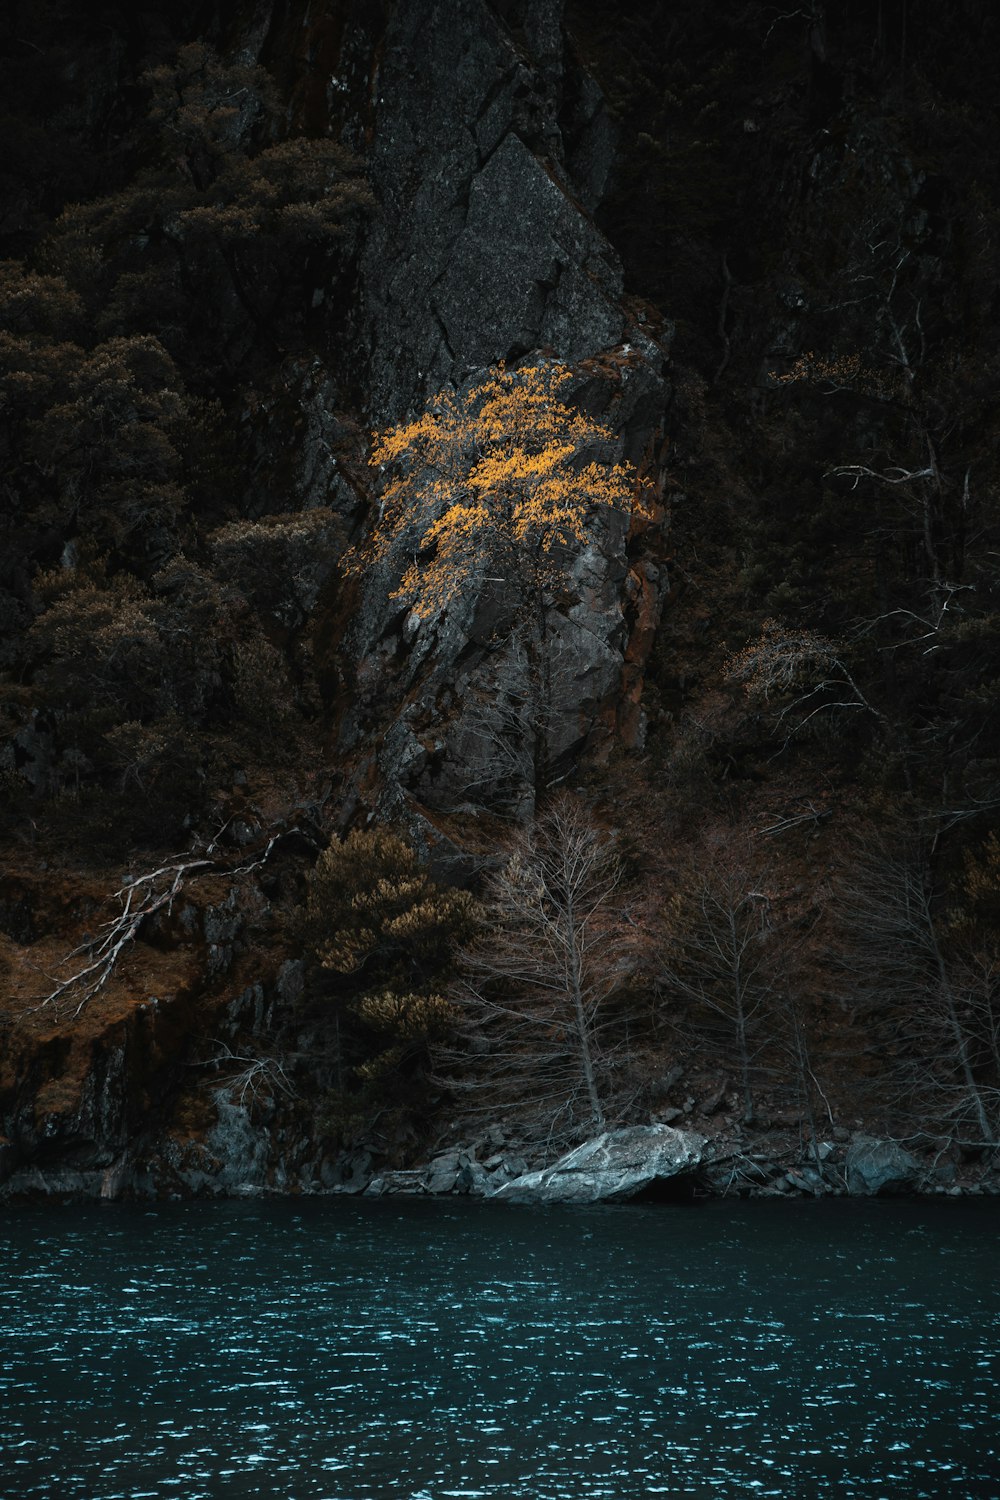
435 1349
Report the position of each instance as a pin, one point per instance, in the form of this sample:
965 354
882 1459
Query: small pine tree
378 921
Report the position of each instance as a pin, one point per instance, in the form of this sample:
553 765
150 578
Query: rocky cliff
763 246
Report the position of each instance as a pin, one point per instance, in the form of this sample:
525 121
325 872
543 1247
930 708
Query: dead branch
793 820
727 285
801 662
140 897
255 1075
893 475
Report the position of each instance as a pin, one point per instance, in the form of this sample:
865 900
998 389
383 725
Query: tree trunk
965 1064
959 1035
573 947
743 1051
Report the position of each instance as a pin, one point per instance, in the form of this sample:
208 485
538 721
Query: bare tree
898 957
798 1058
717 952
803 670
510 717
980 982
252 1076
538 986
501 724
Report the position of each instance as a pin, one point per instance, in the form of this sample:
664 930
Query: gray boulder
443 1173
348 1173
473 1179
876 1165
611 1168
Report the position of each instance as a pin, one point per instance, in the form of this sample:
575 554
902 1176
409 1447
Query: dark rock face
482 248
307 472
85 1109
468 733
612 1168
528 269
232 1160
475 720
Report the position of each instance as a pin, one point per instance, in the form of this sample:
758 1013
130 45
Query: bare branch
254 1075
893 475
800 662
140 898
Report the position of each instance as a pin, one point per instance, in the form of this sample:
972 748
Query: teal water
424 1351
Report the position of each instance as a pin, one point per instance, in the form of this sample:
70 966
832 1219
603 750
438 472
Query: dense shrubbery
154 639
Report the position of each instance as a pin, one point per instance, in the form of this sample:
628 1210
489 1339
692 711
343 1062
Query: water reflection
421 1351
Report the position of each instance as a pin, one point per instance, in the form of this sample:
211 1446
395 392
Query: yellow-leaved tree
503 481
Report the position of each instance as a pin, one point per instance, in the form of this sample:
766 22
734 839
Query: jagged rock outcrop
471 717
612 1168
489 154
482 248
123 1096
83 1104
527 270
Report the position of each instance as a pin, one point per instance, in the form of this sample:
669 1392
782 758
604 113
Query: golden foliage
834 372
503 473
377 920
409 1015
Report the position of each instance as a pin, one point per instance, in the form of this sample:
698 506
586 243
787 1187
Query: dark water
430 1351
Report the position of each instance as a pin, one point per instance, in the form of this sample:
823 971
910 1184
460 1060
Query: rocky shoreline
639 1164
689 1167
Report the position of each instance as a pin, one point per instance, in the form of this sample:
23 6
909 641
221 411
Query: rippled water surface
435 1350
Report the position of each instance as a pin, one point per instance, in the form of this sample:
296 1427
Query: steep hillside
676 329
